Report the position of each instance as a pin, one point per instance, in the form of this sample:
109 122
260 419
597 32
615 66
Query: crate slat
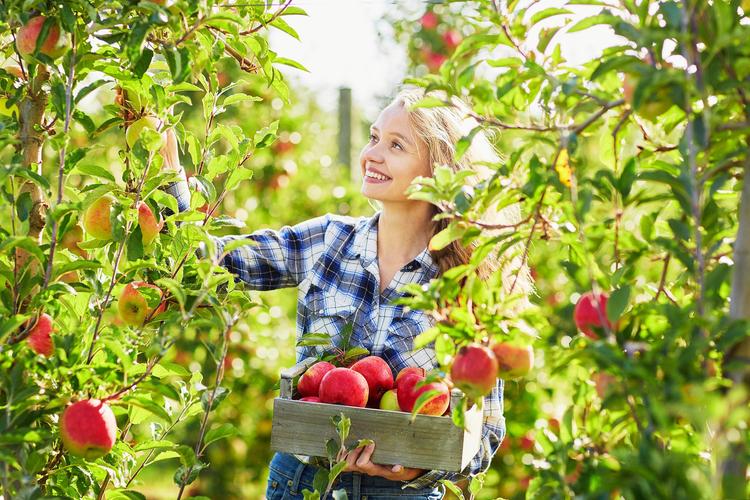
430 442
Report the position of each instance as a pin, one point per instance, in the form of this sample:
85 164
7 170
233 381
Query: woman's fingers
364 456
351 460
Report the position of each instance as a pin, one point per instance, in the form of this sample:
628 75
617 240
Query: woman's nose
372 152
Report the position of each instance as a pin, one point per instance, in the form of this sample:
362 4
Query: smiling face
393 157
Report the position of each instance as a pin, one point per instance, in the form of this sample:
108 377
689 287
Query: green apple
389 401
134 130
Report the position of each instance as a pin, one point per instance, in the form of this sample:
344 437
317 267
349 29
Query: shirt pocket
328 311
404 328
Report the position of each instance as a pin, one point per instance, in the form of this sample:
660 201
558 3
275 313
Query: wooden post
345 127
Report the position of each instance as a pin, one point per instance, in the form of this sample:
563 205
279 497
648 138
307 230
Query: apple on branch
72 238
590 313
150 228
134 306
52 46
475 370
96 218
40 338
513 361
88 429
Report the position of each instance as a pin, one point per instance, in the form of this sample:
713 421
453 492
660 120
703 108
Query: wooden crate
429 442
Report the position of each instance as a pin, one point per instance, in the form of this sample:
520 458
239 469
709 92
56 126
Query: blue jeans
288 477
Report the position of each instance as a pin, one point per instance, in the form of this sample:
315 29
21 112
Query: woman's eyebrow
396 134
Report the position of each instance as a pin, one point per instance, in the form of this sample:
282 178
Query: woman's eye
373 138
397 144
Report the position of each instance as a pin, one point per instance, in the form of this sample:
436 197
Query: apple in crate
309 382
378 375
408 392
345 387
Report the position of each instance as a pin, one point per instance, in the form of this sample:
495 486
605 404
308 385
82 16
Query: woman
349 270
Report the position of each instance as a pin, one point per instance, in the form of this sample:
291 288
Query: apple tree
99 277
630 172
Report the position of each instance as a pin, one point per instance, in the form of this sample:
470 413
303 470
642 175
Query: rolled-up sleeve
275 259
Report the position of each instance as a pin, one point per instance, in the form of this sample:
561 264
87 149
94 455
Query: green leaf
336 470
425 338
320 480
95 171
221 432
453 488
290 62
314 339
236 176
546 13
124 495
220 394
446 237
354 353
423 399
339 494
617 303
284 26
343 424
237 98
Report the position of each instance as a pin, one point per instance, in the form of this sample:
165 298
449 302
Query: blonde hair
441 128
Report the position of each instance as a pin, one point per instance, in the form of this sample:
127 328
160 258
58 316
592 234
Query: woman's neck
404 230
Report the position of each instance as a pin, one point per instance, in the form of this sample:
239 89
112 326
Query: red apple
389 401
40 338
474 370
149 226
309 382
408 370
451 38
134 306
591 312
408 393
96 218
378 375
344 386
432 59
26 39
429 20
527 441
88 429
513 361
311 399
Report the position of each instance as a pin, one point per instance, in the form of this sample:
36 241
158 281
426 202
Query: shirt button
289 483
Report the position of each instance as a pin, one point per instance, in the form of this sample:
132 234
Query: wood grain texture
429 442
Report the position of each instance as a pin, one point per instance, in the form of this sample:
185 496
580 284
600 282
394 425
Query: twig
61 168
204 424
262 24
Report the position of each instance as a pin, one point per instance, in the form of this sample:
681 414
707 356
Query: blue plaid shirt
332 260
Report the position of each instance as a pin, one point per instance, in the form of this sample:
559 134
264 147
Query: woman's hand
358 460
170 153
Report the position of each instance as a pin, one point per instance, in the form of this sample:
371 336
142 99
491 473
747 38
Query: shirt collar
365 246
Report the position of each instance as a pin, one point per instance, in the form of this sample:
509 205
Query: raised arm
275 259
